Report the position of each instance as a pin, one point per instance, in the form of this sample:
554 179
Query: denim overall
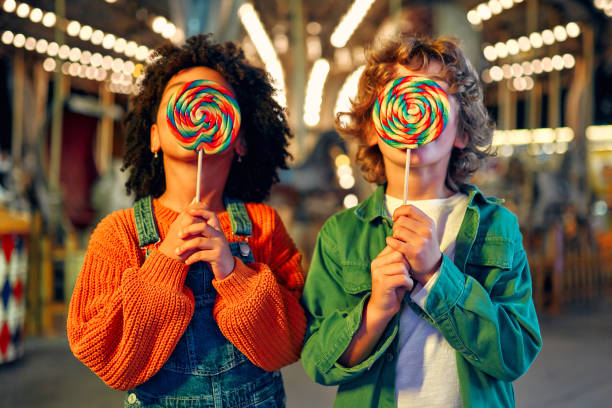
205 369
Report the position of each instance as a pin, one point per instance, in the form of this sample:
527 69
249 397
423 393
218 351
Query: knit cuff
160 269
237 284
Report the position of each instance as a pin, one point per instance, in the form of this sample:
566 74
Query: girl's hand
414 235
196 235
390 281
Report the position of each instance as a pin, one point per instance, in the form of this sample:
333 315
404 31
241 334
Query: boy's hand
196 235
414 235
390 281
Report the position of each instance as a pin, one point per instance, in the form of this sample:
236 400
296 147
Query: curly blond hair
416 53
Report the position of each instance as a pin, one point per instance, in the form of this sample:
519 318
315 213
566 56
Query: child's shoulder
118 217
495 219
493 209
260 210
116 224
264 216
344 221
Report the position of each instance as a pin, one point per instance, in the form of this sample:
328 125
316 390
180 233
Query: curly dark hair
266 130
416 52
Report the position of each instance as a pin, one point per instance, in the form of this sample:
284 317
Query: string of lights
535 40
75 28
79 63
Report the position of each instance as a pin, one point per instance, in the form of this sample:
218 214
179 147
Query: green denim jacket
481 303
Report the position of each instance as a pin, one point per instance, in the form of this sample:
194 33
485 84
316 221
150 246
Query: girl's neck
181 183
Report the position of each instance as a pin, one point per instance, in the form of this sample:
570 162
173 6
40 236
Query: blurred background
68 68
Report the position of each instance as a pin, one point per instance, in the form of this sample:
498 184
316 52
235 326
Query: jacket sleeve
258 307
487 314
333 317
124 318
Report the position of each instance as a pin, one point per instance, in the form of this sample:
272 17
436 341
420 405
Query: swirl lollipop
409 112
203 116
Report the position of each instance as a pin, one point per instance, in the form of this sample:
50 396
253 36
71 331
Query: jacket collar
374 206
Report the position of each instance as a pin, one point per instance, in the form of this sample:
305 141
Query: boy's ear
155 142
370 135
461 140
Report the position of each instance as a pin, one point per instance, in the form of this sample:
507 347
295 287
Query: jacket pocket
489 263
356 279
492 253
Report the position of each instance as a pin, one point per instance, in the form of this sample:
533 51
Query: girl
188 303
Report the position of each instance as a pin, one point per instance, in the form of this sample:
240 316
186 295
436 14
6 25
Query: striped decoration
13 273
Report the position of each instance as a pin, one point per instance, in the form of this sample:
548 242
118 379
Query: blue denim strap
146 227
239 218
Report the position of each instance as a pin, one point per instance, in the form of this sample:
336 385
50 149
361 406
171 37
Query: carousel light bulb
36 15
7 37
23 10
473 17
490 53
49 19
85 33
573 30
536 40
560 33
73 28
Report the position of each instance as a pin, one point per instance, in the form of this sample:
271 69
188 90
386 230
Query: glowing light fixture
49 64
252 24
23 10
85 33
534 136
73 29
314 92
347 92
573 30
19 40
349 22
350 200
595 133
9 6
7 37
36 15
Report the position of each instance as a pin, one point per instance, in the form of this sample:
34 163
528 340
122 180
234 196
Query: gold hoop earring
155 155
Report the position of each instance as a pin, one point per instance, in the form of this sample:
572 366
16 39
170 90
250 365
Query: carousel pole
534 96
58 106
299 73
104 142
19 87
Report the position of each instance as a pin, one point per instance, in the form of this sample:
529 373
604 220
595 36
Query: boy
426 304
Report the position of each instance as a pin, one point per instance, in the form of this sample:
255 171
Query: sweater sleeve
125 318
258 307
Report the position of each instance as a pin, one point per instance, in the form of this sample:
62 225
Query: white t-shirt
426 369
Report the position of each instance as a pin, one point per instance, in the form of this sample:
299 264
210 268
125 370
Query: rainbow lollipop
409 112
203 116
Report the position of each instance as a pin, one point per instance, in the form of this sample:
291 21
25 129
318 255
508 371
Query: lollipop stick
406 174
199 178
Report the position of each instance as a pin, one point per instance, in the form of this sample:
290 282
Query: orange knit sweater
127 313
